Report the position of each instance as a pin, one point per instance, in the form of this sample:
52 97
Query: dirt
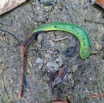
45 56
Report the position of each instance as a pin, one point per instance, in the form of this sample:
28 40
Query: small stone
52 43
98 46
74 68
52 66
40 38
46 55
59 61
39 63
14 30
39 60
28 71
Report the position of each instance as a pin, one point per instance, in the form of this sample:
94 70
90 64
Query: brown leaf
7 5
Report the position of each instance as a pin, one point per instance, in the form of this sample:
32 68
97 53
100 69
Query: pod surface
82 36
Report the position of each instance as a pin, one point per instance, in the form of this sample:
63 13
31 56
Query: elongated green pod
85 45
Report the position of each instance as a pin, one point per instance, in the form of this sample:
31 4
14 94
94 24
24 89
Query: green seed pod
85 45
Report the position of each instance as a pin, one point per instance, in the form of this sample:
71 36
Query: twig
10 101
60 76
99 95
11 35
30 38
96 22
60 39
22 50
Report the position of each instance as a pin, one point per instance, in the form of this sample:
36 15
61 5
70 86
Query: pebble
39 63
74 68
52 66
98 46
40 38
52 43
46 55
59 61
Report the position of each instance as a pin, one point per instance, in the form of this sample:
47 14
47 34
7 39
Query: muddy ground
46 55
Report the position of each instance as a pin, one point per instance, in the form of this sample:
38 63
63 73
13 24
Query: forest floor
45 56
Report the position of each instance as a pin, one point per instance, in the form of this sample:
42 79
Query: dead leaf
7 5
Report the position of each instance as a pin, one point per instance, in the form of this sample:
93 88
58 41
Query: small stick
11 35
60 76
22 50
96 22
99 95
60 39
